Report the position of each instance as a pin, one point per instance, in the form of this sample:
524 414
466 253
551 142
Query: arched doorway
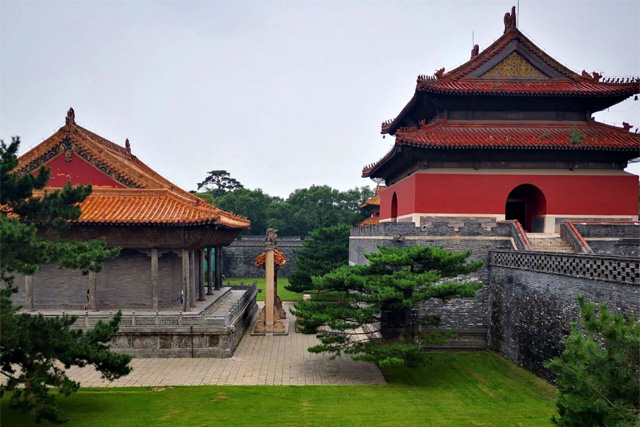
527 204
394 207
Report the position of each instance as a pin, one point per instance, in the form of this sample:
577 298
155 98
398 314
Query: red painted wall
487 194
79 172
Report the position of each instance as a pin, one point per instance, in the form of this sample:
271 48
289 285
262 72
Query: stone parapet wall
239 257
533 300
611 238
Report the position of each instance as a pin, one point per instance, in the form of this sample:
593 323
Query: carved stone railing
596 267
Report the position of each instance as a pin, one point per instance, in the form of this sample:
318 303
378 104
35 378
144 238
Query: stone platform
212 328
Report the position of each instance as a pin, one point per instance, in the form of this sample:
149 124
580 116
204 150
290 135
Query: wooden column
201 275
192 274
210 271
185 279
93 301
154 277
218 267
28 292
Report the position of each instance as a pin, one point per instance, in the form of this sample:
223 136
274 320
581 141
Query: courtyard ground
457 389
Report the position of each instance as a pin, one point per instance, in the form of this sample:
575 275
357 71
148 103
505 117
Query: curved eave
369 171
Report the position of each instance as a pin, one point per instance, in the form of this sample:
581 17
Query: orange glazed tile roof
153 206
149 197
375 200
444 134
279 259
369 221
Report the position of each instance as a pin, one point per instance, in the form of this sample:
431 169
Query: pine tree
33 348
324 250
373 317
598 373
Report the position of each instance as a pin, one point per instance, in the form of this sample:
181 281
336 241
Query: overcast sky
282 94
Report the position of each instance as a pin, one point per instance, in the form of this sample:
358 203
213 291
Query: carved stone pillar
270 291
28 292
201 275
154 277
210 271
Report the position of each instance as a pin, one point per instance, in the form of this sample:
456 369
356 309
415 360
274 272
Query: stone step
549 243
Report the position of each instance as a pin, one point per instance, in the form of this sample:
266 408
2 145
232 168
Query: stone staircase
548 243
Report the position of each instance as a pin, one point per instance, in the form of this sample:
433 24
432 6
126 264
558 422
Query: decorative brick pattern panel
612 269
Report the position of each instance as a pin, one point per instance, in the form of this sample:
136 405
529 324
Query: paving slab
258 360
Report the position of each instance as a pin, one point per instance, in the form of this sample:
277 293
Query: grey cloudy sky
282 94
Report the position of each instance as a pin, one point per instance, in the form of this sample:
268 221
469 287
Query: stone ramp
258 360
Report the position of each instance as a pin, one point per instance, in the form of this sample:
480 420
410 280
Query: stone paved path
258 360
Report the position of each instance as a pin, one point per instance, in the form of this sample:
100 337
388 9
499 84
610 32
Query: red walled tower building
510 135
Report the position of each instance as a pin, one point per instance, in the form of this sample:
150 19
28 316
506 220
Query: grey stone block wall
55 287
169 278
479 235
239 257
621 238
531 311
123 282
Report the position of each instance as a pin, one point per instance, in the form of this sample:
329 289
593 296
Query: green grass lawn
284 294
457 389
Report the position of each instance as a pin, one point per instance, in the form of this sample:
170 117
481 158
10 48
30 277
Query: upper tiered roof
514 66
511 96
136 194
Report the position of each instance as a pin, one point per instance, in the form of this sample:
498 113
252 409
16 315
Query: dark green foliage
219 182
250 203
324 250
322 206
34 349
33 344
373 317
598 374
304 210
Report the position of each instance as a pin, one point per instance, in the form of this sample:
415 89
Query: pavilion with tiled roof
510 135
372 208
165 232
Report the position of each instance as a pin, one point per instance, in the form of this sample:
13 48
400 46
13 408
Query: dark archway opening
394 207
527 204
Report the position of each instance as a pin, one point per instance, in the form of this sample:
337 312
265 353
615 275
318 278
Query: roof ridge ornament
475 51
71 117
510 20
127 145
439 73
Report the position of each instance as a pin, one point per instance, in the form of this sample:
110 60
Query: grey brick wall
621 239
123 282
531 311
239 257
169 277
